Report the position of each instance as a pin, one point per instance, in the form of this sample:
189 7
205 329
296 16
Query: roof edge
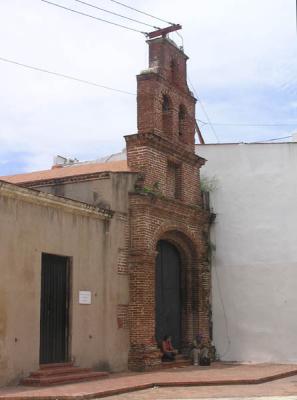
37 197
72 178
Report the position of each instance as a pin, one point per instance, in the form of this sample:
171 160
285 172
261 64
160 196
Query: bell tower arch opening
182 120
166 115
173 70
166 106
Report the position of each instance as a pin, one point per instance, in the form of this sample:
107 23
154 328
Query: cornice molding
155 75
151 139
176 206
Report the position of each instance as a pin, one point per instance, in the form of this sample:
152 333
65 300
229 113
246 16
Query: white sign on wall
85 297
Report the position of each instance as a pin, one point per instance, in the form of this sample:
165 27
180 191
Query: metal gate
168 293
54 309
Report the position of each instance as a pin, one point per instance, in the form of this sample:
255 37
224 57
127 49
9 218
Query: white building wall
255 258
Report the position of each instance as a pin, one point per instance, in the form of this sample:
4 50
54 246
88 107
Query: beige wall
30 224
108 190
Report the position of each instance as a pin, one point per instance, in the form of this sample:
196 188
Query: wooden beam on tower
163 32
200 137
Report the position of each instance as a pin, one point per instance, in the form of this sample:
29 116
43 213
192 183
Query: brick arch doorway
144 352
168 293
189 283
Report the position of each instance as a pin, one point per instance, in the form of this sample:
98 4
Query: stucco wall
28 227
108 190
254 270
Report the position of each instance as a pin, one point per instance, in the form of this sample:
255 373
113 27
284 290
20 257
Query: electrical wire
93 17
260 141
205 113
247 124
142 12
201 122
182 39
65 76
114 13
273 139
208 119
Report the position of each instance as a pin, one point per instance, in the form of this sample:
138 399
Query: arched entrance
168 293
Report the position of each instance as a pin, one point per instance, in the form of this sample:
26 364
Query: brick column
144 353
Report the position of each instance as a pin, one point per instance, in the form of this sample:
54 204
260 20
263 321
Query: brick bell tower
166 208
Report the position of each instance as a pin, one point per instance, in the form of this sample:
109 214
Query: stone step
180 357
54 374
179 362
56 365
58 371
62 379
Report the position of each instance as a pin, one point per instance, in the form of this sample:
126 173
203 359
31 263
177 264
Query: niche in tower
166 115
182 117
173 71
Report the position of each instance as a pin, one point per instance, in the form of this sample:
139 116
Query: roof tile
64 172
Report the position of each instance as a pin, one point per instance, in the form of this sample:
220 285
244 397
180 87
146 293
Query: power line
205 113
114 13
65 76
34 68
202 122
93 17
141 12
273 139
259 141
182 39
208 119
247 124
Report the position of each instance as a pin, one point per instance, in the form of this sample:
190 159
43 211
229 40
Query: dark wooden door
54 309
168 293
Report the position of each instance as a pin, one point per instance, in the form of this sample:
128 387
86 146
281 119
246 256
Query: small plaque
85 297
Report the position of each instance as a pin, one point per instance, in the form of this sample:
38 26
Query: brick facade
167 202
123 251
122 316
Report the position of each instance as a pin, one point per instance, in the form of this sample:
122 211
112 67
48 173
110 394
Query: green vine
208 184
154 191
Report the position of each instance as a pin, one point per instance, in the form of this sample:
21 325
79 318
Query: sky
243 67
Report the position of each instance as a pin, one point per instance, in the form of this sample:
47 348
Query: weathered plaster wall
109 190
30 226
254 270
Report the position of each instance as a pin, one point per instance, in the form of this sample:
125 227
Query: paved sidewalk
217 374
281 389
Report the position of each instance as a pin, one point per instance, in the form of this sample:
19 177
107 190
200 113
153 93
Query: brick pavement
218 375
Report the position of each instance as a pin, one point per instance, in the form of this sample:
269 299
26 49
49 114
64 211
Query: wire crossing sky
117 14
60 75
92 16
245 78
